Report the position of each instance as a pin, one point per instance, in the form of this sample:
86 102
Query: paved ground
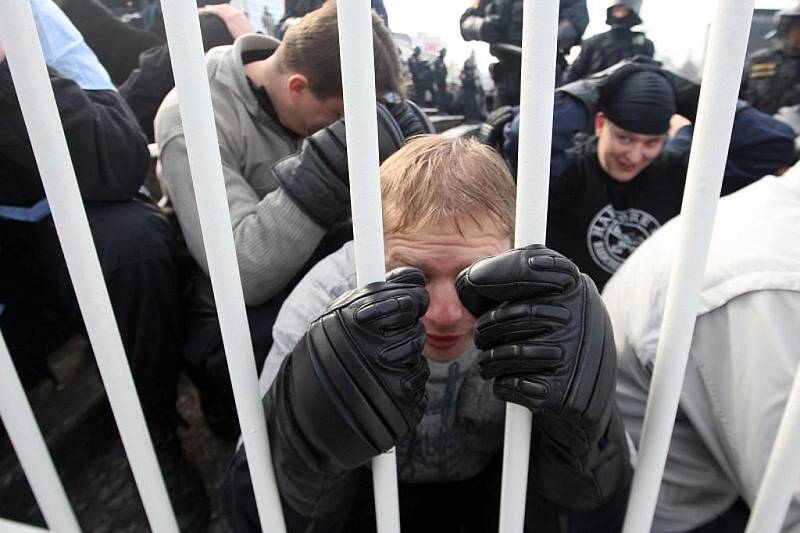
79 428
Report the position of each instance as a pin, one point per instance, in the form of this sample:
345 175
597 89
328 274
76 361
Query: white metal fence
715 116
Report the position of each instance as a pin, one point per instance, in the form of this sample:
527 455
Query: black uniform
772 79
499 23
605 49
440 76
470 95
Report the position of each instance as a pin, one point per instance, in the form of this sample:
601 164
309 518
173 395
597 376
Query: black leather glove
590 91
410 117
316 177
687 94
491 29
548 344
491 131
355 382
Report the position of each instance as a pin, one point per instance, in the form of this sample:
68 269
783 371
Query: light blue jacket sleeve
65 50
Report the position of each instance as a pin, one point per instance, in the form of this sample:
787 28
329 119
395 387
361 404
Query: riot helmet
629 19
784 20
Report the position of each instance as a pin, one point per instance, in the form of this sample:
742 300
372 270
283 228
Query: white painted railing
24 54
539 36
715 112
715 116
194 99
358 73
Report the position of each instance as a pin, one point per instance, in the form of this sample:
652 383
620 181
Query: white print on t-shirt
613 235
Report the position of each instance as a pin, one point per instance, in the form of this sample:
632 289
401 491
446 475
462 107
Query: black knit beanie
643 103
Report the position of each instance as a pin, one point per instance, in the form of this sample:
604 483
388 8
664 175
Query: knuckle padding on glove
514 276
519 358
529 321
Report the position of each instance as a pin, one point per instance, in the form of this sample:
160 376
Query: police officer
605 49
470 91
499 23
772 75
421 78
440 76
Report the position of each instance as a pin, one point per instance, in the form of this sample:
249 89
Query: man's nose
634 154
445 307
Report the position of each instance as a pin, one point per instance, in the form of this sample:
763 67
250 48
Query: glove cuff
585 480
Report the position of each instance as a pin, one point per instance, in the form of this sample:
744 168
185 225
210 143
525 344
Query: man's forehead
637 136
443 248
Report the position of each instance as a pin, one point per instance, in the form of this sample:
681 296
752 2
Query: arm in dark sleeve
579 68
760 145
146 87
106 145
569 118
315 497
573 18
380 9
650 48
470 22
585 513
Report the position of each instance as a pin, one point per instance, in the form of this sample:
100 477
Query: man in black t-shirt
612 190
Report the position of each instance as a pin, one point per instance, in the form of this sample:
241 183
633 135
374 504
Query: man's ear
599 123
296 84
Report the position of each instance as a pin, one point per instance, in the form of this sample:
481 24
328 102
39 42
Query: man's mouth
442 342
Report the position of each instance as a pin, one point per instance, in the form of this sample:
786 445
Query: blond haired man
396 364
268 96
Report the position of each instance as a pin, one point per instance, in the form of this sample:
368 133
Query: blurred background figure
772 75
499 23
443 96
605 49
471 96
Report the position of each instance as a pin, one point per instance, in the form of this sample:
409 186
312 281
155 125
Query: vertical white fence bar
358 75
539 35
7 526
781 477
194 98
15 411
721 78
19 36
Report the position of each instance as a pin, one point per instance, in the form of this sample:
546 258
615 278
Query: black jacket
107 147
771 80
600 51
573 18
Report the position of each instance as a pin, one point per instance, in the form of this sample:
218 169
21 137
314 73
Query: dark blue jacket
107 147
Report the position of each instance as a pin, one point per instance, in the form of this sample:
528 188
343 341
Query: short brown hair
311 47
435 179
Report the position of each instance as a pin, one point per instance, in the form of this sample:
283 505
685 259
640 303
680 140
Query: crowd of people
463 323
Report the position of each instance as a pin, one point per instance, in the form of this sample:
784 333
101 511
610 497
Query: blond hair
434 180
311 48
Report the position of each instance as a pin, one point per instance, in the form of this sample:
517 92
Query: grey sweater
273 237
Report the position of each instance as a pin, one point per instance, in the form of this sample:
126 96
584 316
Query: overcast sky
676 26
